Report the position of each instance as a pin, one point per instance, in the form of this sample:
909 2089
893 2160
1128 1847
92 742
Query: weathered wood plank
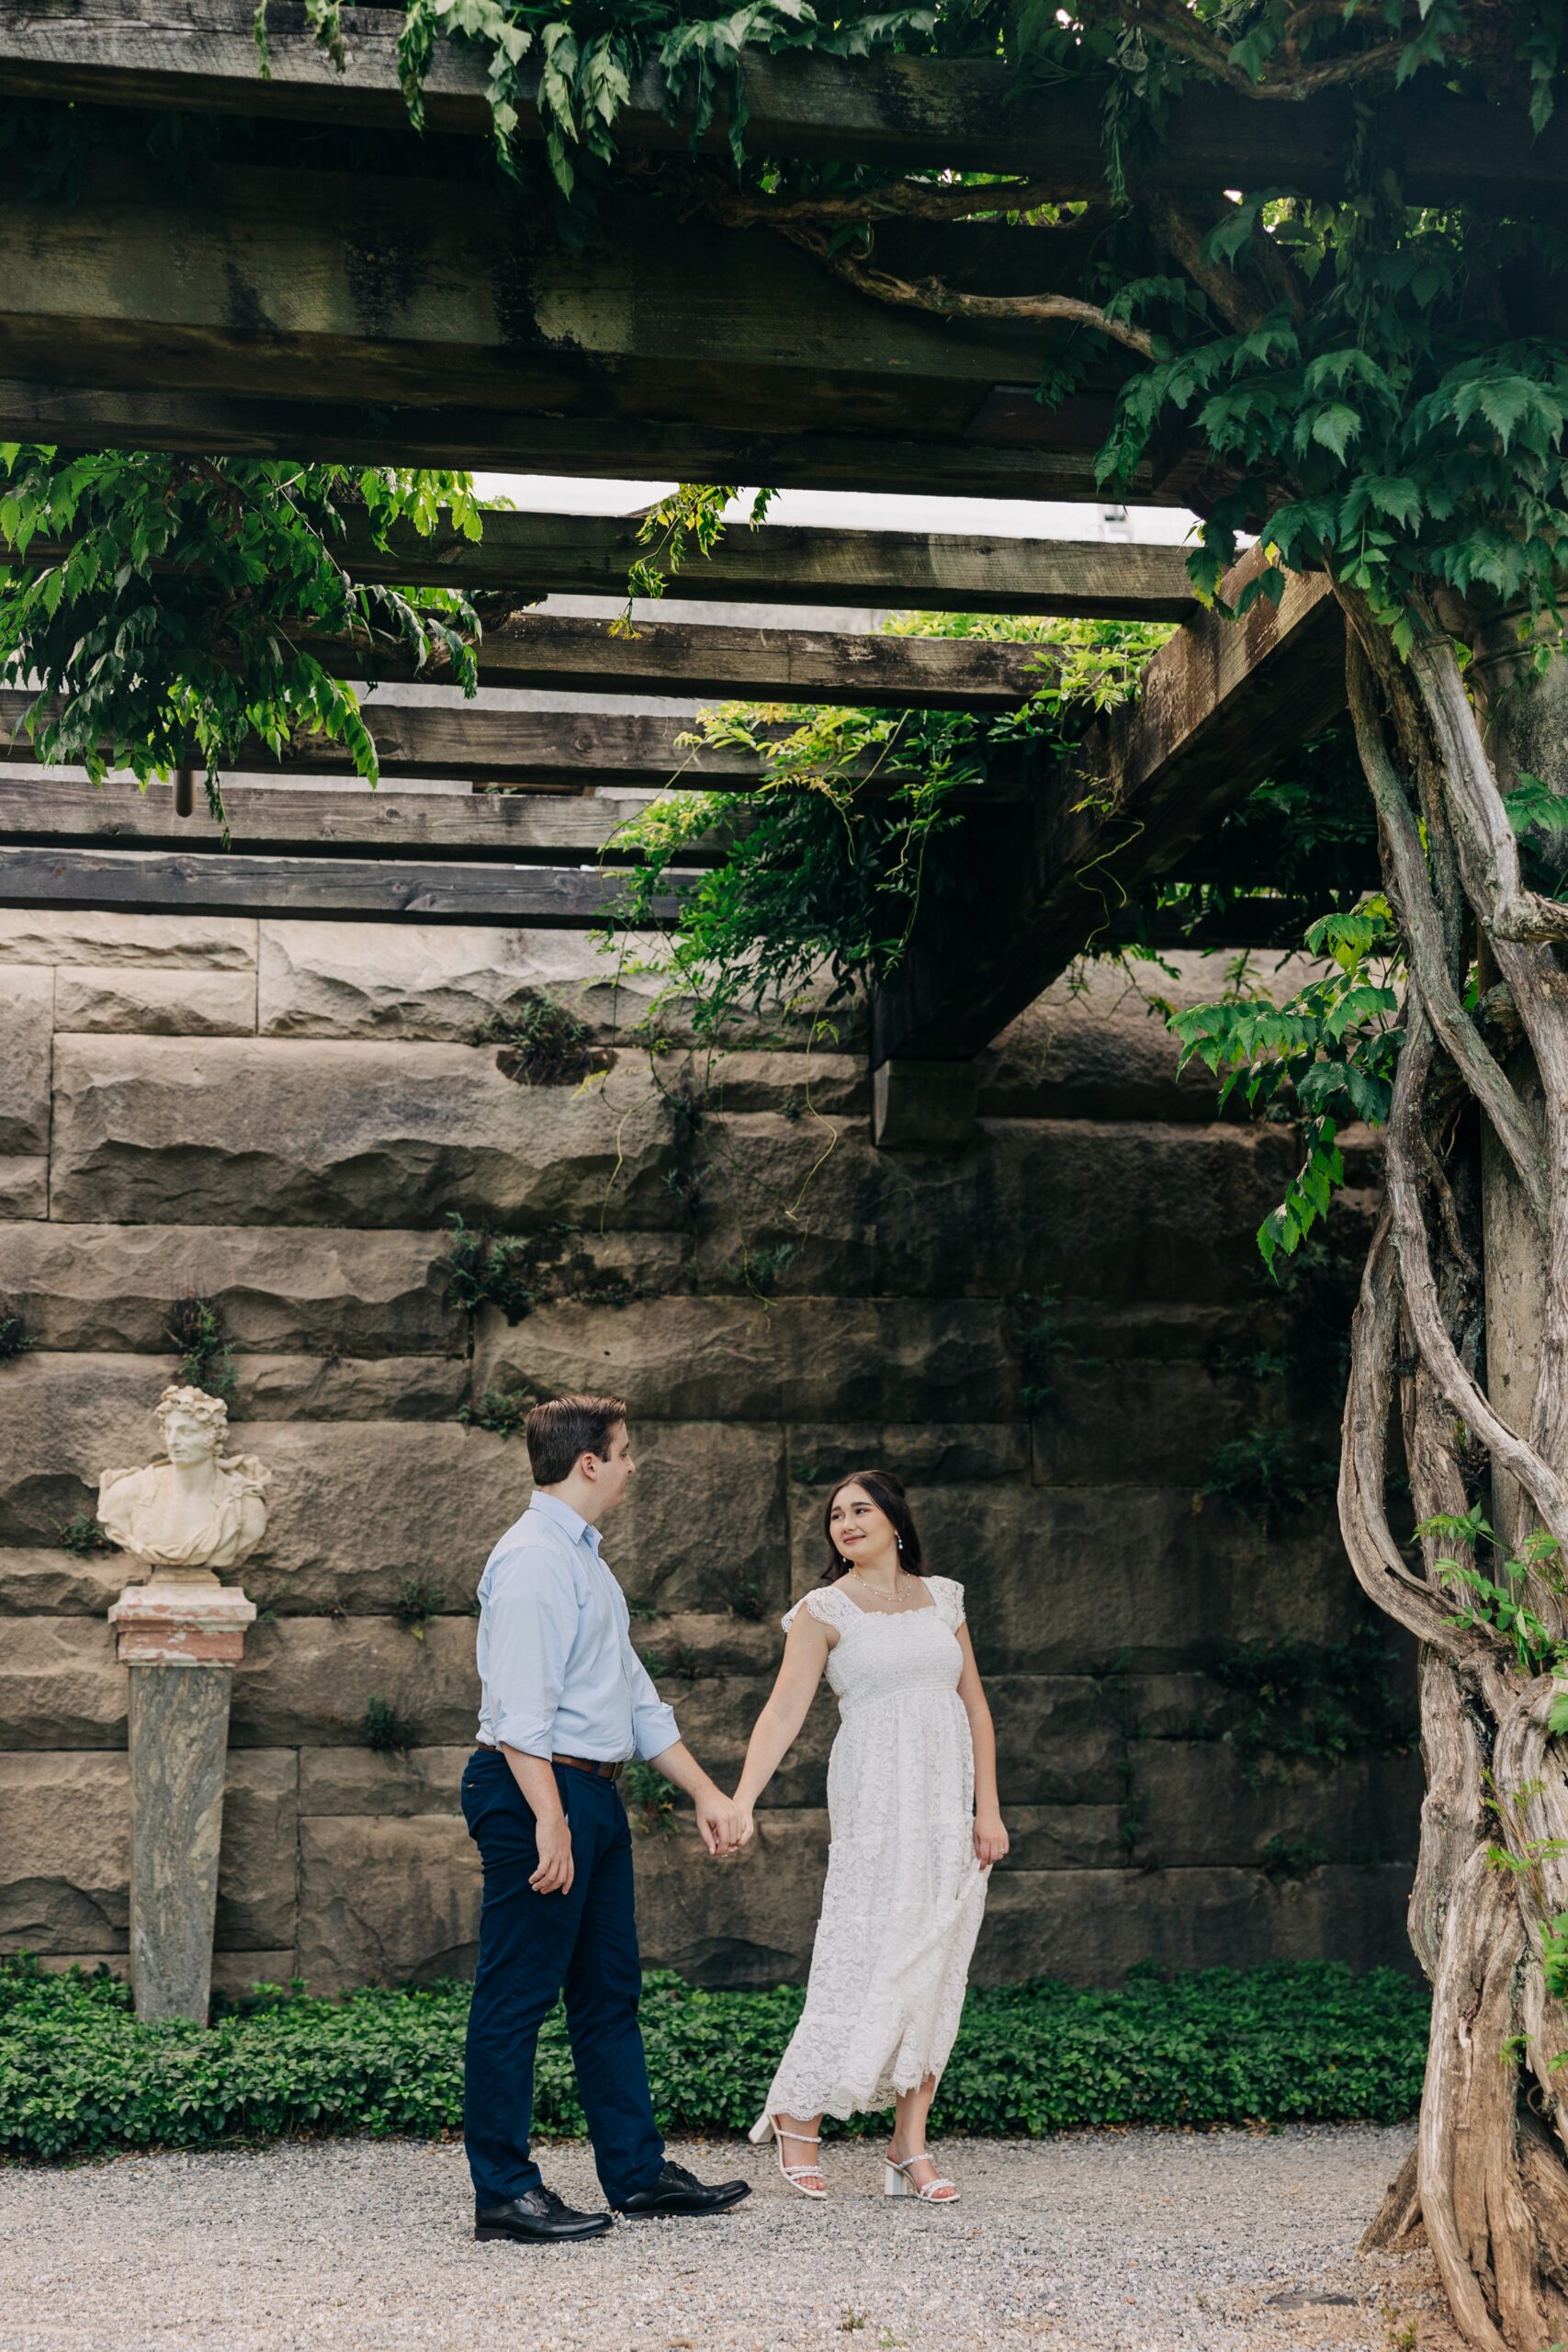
420 312
788 564
1055 461
1219 705
267 280
536 555
61 811
555 652
527 750
893 110
329 889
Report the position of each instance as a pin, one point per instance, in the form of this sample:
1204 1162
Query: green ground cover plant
80 2077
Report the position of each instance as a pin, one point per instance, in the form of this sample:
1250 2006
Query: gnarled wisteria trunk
1462 1322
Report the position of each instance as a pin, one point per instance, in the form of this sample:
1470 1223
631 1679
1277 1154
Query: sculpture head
191 1424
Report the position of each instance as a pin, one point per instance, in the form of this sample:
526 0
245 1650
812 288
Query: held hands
724 1824
991 1839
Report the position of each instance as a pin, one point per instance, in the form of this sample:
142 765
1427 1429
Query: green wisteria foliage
165 615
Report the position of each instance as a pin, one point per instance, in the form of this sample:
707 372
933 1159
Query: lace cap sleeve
949 1599
823 1605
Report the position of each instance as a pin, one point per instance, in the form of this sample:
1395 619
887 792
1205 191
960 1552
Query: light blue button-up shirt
557 1672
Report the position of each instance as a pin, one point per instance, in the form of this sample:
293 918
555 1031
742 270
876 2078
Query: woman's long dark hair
888 1496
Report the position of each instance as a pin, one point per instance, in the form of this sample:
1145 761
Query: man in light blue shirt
565 1700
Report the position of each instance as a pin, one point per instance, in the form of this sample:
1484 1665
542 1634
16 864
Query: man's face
610 1478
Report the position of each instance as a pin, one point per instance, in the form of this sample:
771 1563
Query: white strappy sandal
796 2174
896 2182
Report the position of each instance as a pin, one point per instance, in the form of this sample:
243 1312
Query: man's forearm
535 1775
680 1767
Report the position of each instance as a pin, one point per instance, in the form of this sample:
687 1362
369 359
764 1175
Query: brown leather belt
586 1764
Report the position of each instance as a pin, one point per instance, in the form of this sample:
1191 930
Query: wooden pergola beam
1040 460
944 113
530 751
1219 704
401 312
530 555
788 564
328 889
57 810
557 652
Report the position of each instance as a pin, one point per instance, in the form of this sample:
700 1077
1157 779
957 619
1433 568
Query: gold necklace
890 1602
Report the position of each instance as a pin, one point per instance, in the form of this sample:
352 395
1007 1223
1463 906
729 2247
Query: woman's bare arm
773 1735
990 1836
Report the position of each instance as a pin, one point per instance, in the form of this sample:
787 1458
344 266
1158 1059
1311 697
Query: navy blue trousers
533 1946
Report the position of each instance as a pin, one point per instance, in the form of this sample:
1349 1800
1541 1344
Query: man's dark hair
561 1433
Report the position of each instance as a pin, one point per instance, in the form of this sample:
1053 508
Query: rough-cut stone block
716 1713
154 1003
748 1920
383 1901
221 943
360 1508
431 980
798 1085
26 1015
66 1418
940 1454
1067 1580
61 1684
262 1131
1096 1048
703 1524
1057 1740
1196 1804
46 1580
722 1643
112 1286
235 1973
1092 1926
1105 1212
349 1388
1109 1213
790 1204
65 1860
695 1359
24 1189
337 1780
1086 1837
308 1682
1158 1424
258 1862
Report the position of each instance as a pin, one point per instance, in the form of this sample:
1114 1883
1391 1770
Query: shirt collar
572 1523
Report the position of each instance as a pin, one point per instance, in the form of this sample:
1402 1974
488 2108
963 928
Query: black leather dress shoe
538 2216
676 2190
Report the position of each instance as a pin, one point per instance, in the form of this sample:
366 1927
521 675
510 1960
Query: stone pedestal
181 1635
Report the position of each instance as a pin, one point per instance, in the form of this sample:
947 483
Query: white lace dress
902 1903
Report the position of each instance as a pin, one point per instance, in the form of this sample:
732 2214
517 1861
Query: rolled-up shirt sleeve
533 1621
654 1727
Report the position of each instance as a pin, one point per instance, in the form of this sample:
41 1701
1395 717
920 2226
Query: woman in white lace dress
915 1828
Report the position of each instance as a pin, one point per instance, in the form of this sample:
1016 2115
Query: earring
900 1543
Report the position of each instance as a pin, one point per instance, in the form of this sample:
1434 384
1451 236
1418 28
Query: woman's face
860 1528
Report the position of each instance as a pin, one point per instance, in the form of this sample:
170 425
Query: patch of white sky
1006 519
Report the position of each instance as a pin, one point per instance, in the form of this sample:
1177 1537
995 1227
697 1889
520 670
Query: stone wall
281 1118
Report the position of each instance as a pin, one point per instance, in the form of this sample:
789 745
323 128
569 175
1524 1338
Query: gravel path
1099 2242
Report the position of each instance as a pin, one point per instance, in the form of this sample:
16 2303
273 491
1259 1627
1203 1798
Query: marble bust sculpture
196 1506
